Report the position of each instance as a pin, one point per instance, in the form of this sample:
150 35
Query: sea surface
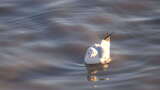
43 43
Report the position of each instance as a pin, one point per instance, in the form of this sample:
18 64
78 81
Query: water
42 44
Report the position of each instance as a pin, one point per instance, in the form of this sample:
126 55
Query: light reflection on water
94 70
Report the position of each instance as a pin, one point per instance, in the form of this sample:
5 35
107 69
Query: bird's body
99 53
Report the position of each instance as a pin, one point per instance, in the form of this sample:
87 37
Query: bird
99 53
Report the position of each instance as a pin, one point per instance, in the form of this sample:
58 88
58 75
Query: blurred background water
42 43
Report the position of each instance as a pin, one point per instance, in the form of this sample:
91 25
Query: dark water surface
42 44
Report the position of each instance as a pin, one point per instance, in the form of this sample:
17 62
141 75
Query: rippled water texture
42 44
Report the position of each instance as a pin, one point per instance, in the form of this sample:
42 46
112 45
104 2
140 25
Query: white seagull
99 53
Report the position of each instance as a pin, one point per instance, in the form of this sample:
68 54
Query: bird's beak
110 34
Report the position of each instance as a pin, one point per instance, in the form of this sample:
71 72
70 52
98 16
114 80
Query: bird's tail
107 36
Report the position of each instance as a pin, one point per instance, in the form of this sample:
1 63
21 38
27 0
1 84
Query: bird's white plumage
98 53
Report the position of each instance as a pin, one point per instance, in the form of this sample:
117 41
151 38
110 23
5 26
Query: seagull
99 53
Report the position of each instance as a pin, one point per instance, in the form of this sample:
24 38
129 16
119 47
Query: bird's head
107 36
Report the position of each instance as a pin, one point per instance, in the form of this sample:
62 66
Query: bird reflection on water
94 70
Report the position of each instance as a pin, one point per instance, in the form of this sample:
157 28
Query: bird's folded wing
92 55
